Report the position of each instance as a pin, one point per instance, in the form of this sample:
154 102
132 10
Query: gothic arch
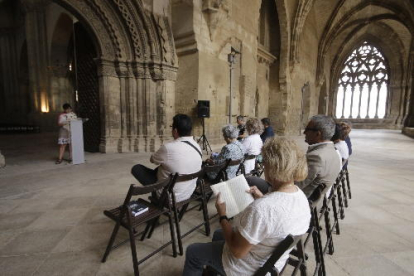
136 67
335 25
395 66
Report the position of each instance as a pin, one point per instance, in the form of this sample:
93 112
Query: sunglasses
311 129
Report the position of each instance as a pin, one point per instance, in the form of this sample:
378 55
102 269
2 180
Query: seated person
252 143
268 130
232 150
241 127
324 163
241 247
183 155
339 141
347 129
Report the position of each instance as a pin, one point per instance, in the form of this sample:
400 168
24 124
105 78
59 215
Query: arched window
363 85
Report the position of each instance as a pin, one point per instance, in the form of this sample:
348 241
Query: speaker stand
205 144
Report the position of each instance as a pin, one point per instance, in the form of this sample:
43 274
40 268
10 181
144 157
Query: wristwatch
223 217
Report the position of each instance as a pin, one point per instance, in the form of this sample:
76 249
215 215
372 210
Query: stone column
10 90
2 160
36 37
110 101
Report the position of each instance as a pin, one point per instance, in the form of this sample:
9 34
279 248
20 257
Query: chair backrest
135 190
184 177
246 158
268 267
238 162
219 168
317 195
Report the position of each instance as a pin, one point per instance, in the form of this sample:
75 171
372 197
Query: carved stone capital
124 69
106 68
216 12
264 56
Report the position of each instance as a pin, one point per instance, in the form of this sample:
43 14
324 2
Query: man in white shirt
183 155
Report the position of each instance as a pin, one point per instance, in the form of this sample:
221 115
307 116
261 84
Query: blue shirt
268 132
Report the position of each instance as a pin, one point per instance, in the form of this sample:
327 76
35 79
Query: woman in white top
341 132
252 143
241 248
64 130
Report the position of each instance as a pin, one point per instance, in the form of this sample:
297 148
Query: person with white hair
233 150
323 161
242 246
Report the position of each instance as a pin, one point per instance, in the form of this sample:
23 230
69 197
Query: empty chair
123 216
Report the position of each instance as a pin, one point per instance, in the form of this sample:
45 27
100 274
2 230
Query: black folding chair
123 216
315 230
248 157
179 208
287 244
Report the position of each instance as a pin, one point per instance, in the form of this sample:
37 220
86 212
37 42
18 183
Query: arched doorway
75 79
86 87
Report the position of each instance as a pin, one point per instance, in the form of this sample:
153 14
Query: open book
233 193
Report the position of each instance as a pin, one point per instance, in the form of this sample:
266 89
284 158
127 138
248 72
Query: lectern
76 145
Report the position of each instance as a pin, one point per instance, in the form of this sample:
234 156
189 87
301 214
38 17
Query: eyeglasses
311 129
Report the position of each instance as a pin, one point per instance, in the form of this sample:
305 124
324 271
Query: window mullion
369 99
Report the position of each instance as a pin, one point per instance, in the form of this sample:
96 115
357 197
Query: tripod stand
203 138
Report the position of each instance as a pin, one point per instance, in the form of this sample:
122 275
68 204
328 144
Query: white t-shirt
176 156
342 147
265 223
253 145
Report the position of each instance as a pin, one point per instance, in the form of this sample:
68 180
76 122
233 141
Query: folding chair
341 205
238 162
179 208
315 229
221 175
288 243
248 157
123 217
220 169
344 188
329 198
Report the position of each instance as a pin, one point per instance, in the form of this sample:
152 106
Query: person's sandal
58 161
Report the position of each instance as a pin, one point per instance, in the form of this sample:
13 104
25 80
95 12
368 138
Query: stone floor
51 217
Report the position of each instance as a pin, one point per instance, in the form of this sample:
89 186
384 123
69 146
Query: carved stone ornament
106 68
216 12
264 56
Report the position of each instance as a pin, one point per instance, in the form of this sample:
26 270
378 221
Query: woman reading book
241 247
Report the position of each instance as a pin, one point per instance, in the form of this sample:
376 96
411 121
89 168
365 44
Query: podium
76 145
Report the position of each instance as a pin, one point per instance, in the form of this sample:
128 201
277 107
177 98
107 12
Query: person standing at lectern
64 130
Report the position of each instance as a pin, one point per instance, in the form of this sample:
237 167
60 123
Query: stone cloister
139 62
131 65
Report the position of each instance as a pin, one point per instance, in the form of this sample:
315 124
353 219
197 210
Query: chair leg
318 246
348 184
329 240
147 228
345 194
335 213
111 241
340 201
182 211
205 216
133 248
153 225
172 232
177 225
